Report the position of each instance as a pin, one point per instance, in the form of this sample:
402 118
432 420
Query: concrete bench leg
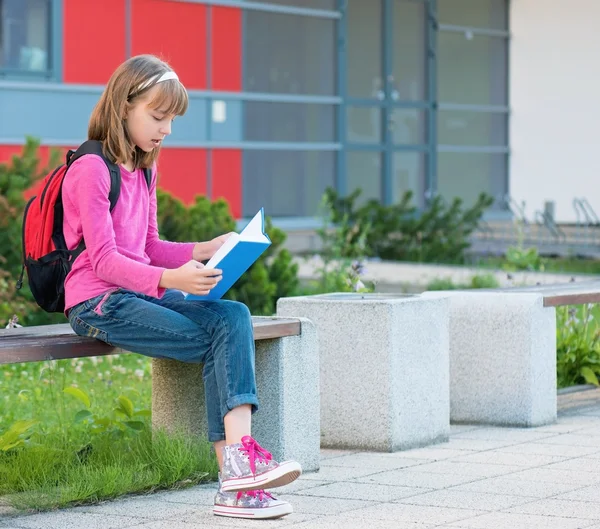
384 368
287 378
502 358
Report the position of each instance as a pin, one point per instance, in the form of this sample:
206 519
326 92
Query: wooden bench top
559 294
55 342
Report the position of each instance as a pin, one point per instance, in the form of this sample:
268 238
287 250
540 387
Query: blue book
238 254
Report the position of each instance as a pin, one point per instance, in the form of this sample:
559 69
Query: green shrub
274 275
398 232
577 345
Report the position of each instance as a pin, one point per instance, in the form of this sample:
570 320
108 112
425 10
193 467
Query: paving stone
328 453
546 475
363 491
584 494
315 505
410 513
151 507
550 450
75 520
436 454
584 464
555 507
507 520
526 489
336 473
375 462
571 439
494 457
466 500
478 445
408 478
334 523
513 435
467 469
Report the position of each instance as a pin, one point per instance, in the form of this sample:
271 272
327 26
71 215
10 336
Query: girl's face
147 127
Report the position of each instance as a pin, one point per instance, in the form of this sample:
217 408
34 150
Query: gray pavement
483 478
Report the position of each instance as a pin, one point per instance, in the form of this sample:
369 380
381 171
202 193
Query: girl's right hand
192 277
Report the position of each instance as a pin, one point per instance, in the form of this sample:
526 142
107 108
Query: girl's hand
205 250
192 277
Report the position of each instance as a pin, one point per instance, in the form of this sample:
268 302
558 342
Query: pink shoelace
254 451
260 494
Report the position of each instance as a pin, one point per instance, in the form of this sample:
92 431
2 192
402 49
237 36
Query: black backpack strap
95 147
148 176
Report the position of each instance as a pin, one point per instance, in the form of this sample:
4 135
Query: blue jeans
216 333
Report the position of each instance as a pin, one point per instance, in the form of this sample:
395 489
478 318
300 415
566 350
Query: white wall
555 103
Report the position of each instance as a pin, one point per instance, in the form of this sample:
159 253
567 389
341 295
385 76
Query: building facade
289 97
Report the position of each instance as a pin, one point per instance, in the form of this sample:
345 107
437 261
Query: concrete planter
383 368
502 358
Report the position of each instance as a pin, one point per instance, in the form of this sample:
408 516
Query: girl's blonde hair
131 81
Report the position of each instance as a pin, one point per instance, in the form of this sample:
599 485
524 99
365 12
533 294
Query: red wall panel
174 31
94 40
226 48
227 178
182 172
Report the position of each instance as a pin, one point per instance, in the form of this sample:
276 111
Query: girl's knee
235 312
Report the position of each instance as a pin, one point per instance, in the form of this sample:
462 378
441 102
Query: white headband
164 77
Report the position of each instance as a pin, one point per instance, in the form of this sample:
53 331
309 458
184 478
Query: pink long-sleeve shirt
122 248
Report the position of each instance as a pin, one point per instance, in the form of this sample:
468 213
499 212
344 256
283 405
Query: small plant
577 346
17 435
340 266
520 258
123 419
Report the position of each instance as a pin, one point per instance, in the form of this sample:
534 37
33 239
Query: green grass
62 448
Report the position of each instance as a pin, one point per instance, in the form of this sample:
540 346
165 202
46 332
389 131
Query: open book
238 253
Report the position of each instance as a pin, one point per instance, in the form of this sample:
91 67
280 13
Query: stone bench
384 368
287 377
503 351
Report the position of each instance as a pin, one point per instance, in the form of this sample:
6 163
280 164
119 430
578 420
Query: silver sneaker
248 466
257 504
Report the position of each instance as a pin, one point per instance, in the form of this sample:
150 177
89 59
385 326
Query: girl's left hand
205 250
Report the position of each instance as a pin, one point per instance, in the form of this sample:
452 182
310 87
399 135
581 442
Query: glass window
473 69
25 35
363 171
456 127
489 14
363 124
289 54
286 183
466 175
409 175
408 126
364 49
408 50
264 121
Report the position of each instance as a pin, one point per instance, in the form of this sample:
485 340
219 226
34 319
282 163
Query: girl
126 287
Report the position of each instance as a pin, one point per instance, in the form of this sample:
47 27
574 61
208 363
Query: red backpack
45 253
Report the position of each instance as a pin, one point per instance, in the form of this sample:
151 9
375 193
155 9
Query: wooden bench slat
54 342
555 295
